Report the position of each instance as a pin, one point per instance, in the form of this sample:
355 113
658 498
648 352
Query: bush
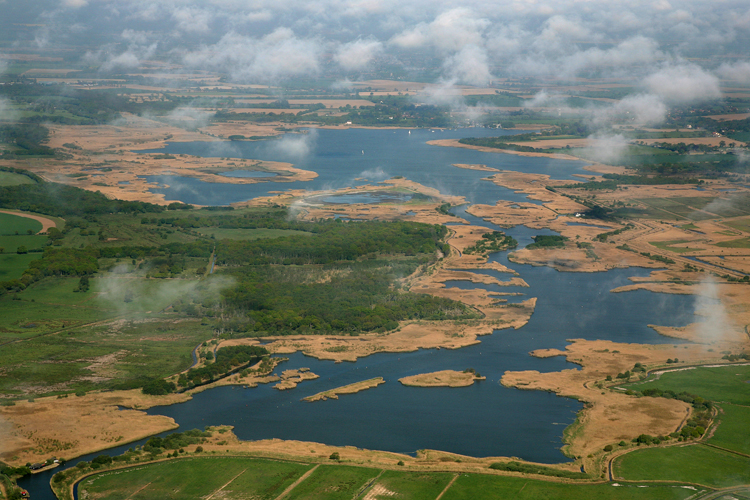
335 456
608 447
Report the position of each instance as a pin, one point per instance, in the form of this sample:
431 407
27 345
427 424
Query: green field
719 384
740 243
668 245
233 478
249 234
691 463
14 224
333 482
732 431
475 487
413 485
12 265
191 478
13 179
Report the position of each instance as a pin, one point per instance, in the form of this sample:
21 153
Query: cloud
469 66
355 56
739 72
605 148
682 84
443 93
130 59
449 32
75 4
716 323
638 110
278 55
294 146
192 20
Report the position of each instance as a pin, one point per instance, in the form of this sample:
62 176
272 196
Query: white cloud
638 110
682 84
75 4
356 55
449 32
278 55
192 20
469 66
739 72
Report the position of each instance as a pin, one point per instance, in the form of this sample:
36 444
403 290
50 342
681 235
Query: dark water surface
485 419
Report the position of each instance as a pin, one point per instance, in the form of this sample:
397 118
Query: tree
83 284
21 250
335 456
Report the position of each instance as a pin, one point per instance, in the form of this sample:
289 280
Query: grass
668 245
115 355
13 179
196 478
14 224
740 243
146 345
475 486
333 482
413 485
249 234
721 384
731 432
12 265
691 463
11 243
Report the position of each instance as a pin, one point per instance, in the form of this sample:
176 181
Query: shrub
335 456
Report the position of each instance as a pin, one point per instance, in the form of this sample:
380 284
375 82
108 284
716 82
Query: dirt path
447 486
209 497
46 223
139 490
296 483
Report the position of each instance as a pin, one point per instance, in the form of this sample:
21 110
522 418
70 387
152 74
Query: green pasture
12 265
10 244
669 246
333 482
413 485
249 234
121 353
732 431
739 243
191 478
13 179
14 224
693 463
233 478
475 486
719 384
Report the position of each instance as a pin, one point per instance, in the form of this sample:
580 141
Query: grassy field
732 431
720 384
474 486
412 485
12 179
333 482
12 265
14 224
668 245
103 356
248 234
740 243
226 478
691 463
248 478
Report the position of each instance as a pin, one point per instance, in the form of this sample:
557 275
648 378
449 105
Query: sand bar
444 378
347 389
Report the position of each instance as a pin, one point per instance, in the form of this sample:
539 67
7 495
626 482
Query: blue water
248 173
336 156
485 419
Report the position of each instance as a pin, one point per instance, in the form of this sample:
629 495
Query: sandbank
346 389
444 378
454 143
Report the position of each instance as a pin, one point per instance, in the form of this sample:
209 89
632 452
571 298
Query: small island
444 378
347 389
